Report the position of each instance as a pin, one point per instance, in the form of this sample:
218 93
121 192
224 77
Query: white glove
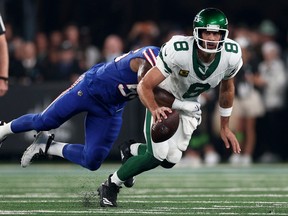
190 108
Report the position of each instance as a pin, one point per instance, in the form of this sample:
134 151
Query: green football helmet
210 19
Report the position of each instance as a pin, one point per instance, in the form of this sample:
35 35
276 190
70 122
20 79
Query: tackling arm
144 66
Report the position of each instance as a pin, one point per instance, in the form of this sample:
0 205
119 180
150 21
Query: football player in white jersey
186 67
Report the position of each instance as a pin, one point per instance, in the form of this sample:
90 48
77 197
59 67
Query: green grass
66 189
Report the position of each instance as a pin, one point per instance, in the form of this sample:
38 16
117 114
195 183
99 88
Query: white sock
115 179
5 130
56 148
134 149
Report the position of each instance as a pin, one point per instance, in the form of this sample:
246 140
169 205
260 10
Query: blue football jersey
114 83
101 93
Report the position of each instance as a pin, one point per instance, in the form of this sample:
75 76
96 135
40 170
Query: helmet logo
197 18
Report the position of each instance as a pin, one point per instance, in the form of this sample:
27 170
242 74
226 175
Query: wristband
225 112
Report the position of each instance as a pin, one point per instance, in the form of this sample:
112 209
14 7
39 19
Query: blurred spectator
30 64
285 54
113 47
144 33
72 34
50 66
248 104
272 80
55 40
68 65
62 64
16 71
90 53
24 67
41 42
268 31
168 30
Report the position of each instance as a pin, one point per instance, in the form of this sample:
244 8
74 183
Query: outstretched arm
143 68
226 98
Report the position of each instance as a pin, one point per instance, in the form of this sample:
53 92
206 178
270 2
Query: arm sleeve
150 55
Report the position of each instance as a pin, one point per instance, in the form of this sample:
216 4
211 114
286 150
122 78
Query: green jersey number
181 46
196 89
231 47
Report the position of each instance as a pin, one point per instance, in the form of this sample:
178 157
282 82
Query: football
164 130
163 97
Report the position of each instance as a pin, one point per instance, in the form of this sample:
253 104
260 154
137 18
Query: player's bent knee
151 163
160 151
92 159
93 165
175 156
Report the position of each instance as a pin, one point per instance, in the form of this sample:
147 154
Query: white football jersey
186 76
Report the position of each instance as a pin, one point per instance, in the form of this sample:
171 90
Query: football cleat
125 155
108 192
3 138
39 146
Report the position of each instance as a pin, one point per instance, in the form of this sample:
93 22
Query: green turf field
65 189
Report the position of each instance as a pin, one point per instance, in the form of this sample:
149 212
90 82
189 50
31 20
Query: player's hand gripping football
159 114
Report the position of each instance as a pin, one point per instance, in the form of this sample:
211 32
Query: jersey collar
201 70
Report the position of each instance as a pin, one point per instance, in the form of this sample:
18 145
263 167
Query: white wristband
225 112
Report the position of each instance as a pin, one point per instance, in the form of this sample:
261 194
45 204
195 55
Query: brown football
164 130
163 97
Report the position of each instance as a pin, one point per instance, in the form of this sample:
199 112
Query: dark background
117 16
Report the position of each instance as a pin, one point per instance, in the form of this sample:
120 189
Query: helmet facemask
203 44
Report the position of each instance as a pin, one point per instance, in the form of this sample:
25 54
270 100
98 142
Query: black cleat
108 192
3 138
125 155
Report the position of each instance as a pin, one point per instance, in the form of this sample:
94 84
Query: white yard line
125 212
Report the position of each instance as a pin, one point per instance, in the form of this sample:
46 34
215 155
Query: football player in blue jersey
102 93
